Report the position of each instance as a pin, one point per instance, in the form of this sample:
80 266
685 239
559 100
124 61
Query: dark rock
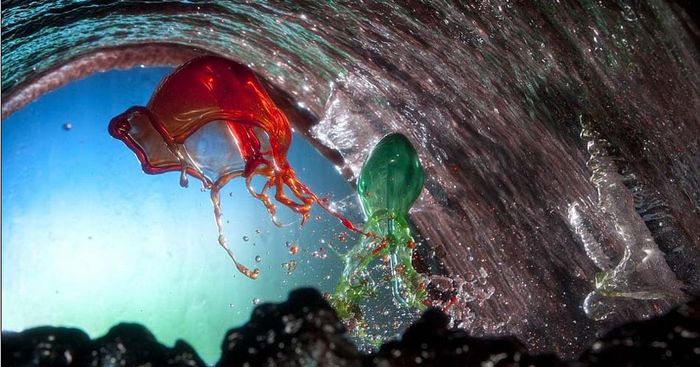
123 345
429 342
302 331
134 345
669 340
305 330
44 346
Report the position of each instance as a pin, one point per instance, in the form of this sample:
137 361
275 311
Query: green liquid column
390 182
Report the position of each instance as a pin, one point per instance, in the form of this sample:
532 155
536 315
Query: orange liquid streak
382 246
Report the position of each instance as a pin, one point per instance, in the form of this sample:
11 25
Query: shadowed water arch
492 95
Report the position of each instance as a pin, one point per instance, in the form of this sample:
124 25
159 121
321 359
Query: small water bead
258 259
290 266
320 253
256 301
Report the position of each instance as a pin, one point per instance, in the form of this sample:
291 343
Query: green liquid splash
390 182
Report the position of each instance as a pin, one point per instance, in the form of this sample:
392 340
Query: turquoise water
89 240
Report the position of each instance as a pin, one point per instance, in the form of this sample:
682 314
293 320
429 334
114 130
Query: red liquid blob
212 119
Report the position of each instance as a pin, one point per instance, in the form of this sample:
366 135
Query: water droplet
256 301
320 254
67 126
245 238
184 181
290 266
258 259
292 326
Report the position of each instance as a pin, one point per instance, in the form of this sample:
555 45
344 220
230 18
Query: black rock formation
669 340
124 345
302 331
305 331
429 342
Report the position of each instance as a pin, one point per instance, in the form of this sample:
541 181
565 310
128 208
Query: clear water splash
631 265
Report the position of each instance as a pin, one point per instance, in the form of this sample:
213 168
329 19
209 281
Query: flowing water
560 140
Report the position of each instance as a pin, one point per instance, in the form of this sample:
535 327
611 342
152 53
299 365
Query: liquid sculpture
213 120
632 267
389 183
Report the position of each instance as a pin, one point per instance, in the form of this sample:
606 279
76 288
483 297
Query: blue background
89 240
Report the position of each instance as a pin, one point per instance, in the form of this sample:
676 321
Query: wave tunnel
545 158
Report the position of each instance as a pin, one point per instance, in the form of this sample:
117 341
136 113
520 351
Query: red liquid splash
212 119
